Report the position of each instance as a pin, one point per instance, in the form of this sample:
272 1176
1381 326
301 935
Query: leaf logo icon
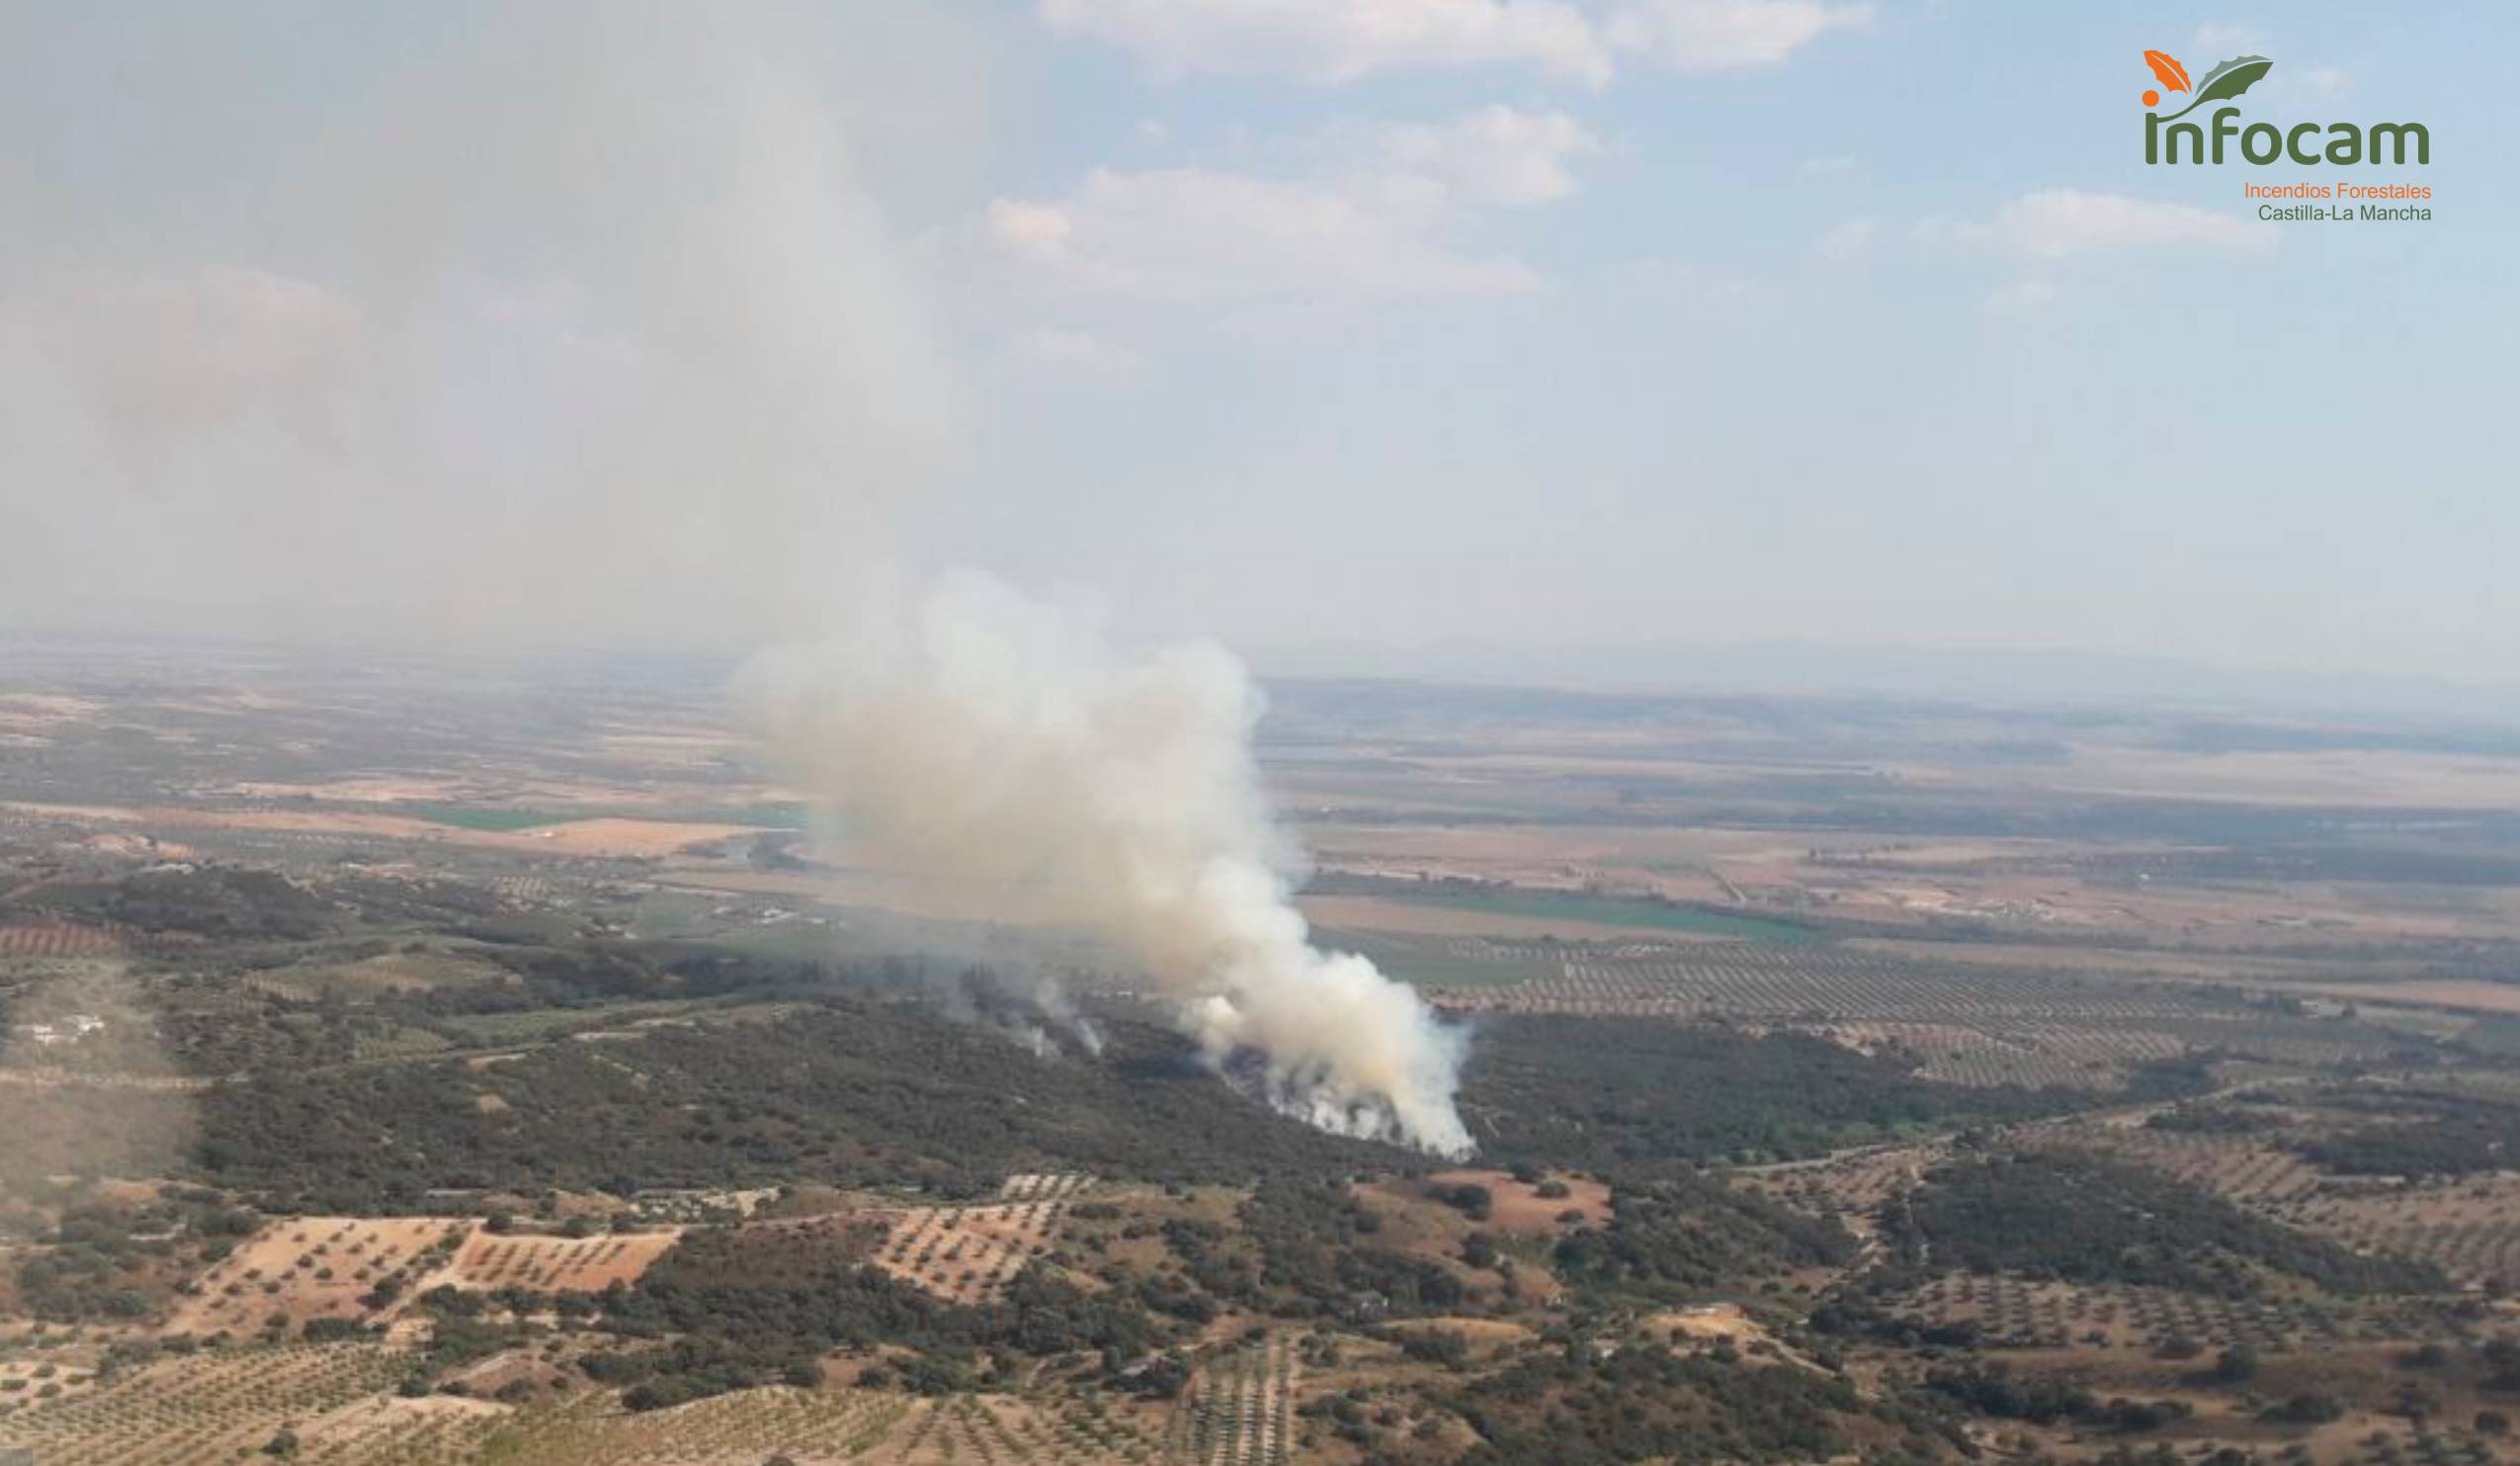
2220 84
2166 67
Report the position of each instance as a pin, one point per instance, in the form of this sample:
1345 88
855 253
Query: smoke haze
586 329
1000 751
594 329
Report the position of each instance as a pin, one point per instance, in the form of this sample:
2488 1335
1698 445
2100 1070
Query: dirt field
1711 1322
2456 994
969 1254
613 836
601 836
554 1264
1520 1208
312 1267
57 939
369 790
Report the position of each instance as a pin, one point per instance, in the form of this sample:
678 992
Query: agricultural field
305 1268
212 1406
999 1430
2467 1225
1238 1410
969 1254
2017 1313
33 941
489 1261
330 1401
1961 1025
426 1074
1851 1184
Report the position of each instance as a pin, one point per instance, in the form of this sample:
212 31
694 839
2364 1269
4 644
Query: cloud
1080 352
1726 35
1379 233
1340 40
2061 223
1496 154
1827 167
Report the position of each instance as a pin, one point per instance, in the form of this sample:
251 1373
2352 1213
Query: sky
1549 336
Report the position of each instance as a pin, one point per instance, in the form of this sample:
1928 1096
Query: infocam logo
2166 139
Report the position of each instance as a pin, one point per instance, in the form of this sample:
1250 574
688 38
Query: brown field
311 1267
42 1077
2468 1227
1416 1224
2051 886
339 1401
375 789
57 939
2457 994
969 1254
315 821
1520 1208
1059 1431
379 1427
26 1379
2357 777
700 744
611 836
1727 1321
554 1264
617 836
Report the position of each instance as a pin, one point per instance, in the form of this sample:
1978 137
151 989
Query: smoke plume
613 325
1000 751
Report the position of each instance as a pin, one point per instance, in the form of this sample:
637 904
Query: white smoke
1001 751
598 328
609 325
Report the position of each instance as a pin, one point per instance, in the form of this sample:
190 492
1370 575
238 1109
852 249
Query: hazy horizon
1634 340
1787 669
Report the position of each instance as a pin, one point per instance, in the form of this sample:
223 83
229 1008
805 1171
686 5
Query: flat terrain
440 1065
